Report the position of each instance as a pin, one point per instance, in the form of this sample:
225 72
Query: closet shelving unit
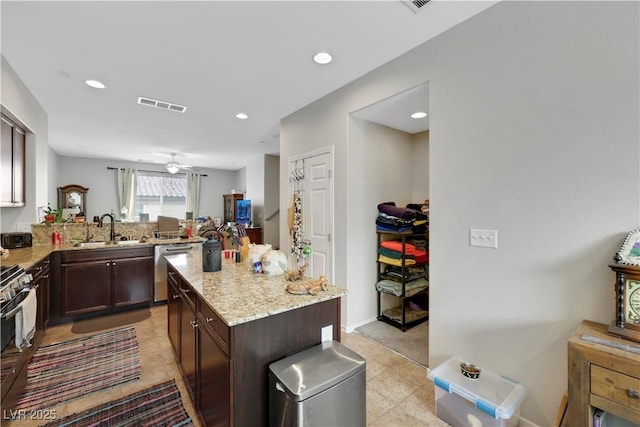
402 316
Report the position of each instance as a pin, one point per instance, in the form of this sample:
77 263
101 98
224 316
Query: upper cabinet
12 164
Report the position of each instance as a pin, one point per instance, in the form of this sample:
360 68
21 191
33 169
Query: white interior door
317 211
318 215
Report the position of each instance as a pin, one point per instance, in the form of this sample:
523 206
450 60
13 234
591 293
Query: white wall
271 217
19 103
102 183
533 132
379 160
420 167
255 187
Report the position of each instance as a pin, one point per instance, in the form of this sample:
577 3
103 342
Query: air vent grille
161 104
415 5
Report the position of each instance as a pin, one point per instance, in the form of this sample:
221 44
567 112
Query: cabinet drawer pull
186 291
209 319
194 324
176 296
113 263
634 394
46 276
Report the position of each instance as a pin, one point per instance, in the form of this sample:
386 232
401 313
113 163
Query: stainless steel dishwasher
160 291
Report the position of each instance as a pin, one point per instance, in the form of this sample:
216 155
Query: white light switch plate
327 333
483 238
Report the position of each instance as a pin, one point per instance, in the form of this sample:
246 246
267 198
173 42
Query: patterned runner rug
160 405
65 371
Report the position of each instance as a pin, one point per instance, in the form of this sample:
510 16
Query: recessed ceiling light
242 116
322 58
419 115
95 83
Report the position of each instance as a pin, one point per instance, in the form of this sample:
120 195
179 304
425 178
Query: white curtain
127 193
193 193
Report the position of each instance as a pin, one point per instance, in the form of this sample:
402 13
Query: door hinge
329 237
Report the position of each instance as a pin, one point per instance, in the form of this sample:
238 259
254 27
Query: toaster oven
16 240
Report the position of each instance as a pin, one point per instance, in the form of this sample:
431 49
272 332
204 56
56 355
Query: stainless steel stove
14 288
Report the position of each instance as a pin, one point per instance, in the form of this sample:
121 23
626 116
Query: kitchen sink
108 244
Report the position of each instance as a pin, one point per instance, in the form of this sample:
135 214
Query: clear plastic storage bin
490 400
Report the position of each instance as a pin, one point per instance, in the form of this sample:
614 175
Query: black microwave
16 240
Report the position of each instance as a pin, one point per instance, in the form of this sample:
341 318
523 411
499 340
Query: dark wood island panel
225 359
257 344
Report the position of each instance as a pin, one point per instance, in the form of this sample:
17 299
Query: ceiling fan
173 166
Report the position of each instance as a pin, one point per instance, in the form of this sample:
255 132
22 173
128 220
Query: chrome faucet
112 232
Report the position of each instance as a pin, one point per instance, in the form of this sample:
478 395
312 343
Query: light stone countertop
238 295
27 257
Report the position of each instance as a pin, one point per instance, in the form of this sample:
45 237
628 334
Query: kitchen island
226 327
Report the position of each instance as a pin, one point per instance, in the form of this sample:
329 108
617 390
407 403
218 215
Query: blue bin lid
316 369
490 393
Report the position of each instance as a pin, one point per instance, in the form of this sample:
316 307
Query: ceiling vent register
161 104
415 5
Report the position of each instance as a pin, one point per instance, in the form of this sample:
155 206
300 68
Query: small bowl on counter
470 370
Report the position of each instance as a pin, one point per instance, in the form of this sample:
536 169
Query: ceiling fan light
172 168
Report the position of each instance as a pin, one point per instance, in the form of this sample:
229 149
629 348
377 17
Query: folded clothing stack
393 252
394 218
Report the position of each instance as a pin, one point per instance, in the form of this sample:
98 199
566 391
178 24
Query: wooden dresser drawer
612 385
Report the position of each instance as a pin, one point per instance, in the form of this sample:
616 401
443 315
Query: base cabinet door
173 316
86 287
132 281
188 347
214 395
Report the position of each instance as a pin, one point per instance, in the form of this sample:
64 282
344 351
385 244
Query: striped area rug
160 405
68 370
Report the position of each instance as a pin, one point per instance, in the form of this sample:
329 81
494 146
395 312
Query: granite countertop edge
237 295
28 257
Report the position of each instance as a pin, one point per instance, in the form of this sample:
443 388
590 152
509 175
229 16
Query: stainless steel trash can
324 385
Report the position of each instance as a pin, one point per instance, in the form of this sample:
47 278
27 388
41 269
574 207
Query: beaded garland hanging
297 246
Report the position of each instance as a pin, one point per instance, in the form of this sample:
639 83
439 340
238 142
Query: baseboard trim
350 328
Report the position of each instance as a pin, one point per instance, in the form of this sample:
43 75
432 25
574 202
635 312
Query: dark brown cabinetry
173 315
12 170
203 363
40 274
232 363
230 206
254 234
14 363
101 281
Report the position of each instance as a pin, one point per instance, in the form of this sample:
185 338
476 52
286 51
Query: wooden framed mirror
73 196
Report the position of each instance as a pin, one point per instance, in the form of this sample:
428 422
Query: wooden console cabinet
604 373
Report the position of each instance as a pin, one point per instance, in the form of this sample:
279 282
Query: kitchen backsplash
78 231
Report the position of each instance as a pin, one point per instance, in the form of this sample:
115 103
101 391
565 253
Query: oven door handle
16 309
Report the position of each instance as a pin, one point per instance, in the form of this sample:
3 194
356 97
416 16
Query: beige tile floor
398 391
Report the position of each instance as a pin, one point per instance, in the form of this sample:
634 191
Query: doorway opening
397 171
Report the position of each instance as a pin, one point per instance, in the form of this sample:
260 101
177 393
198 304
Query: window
161 194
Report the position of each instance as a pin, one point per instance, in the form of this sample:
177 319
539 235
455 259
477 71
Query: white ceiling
217 58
